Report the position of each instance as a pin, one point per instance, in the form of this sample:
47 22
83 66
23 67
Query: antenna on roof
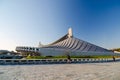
40 45
70 34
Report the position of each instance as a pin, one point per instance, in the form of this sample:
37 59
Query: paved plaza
85 71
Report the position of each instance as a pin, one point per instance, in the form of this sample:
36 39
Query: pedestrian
113 58
69 59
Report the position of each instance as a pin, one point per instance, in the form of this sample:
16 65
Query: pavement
83 71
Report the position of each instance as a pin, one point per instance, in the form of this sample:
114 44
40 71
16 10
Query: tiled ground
89 71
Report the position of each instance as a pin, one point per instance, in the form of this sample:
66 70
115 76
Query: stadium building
66 45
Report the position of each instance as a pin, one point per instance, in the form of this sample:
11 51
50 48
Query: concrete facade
68 44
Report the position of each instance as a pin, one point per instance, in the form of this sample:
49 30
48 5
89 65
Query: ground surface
88 71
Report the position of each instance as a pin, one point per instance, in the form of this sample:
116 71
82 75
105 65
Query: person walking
69 59
113 58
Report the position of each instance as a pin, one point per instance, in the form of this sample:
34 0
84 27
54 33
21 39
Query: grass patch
65 57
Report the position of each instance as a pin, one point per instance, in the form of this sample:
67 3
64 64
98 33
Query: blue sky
26 22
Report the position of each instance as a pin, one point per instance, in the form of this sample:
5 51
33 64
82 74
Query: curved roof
72 43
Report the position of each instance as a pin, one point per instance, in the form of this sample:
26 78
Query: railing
56 61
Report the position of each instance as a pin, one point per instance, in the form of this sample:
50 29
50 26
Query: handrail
56 61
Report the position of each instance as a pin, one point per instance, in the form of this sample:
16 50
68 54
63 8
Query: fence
55 61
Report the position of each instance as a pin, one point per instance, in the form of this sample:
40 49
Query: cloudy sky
28 22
